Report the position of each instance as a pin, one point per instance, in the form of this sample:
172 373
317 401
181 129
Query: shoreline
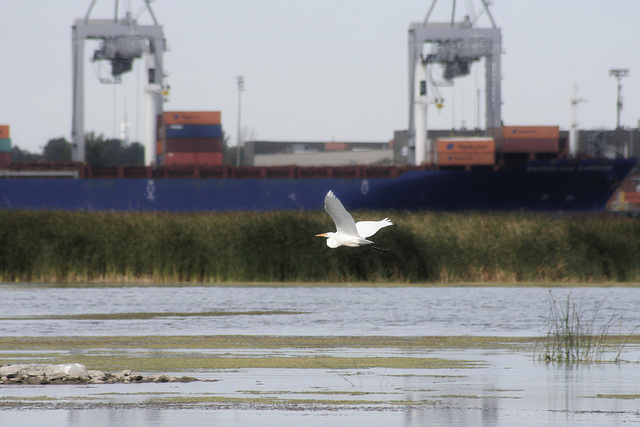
234 284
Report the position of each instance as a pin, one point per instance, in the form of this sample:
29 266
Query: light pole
618 74
240 80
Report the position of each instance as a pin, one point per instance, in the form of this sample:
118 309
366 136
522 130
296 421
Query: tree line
100 152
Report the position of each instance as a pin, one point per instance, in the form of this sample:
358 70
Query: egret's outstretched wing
342 218
369 228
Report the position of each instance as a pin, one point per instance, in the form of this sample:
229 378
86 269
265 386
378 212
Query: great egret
348 232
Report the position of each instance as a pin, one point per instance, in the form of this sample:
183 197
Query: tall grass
576 334
280 246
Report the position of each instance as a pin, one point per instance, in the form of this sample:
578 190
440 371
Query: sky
317 70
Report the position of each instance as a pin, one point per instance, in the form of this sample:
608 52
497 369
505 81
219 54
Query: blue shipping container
194 131
5 145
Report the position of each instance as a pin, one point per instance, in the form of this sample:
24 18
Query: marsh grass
159 362
136 247
80 343
576 334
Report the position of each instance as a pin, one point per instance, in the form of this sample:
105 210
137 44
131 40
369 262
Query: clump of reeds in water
577 335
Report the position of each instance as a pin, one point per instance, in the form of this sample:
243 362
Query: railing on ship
243 172
77 170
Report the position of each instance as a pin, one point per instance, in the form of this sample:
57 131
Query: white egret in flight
348 232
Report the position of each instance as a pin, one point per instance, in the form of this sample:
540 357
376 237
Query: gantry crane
455 46
123 41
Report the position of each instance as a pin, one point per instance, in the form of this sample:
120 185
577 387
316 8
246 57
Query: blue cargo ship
583 185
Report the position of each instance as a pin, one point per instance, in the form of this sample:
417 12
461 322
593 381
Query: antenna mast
573 131
618 74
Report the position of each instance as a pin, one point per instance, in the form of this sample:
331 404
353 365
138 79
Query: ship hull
559 185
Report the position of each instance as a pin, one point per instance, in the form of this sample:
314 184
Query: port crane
455 46
573 131
123 40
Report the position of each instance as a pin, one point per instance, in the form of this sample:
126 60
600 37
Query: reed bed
577 334
59 246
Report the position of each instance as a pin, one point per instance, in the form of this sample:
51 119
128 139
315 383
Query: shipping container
336 146
5 160
160 128
631 197
530 132
203 159
5 145
192 117
466 145
159 149
531 146
193 131
4 131
466 159
180 159
194 145
211 159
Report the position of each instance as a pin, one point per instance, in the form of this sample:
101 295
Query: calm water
325 311
506 388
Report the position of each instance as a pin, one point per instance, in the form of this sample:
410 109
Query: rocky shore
76 373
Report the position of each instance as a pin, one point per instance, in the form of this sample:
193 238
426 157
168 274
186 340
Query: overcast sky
318 70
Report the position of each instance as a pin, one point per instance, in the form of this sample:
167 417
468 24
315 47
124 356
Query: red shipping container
180 159
211 159
160 128
4 131
194 145
5 160
531 146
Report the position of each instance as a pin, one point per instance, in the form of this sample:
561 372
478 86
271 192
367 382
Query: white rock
34 370
7 370
97 375
67 371
123 375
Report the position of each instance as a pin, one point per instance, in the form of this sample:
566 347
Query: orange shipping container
530 132
4 131
192 118
466 145
466 159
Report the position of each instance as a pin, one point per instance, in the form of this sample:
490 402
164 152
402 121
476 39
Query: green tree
112 152
57 150
133 154
18 155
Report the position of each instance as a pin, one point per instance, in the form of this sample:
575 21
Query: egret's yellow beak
321 235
